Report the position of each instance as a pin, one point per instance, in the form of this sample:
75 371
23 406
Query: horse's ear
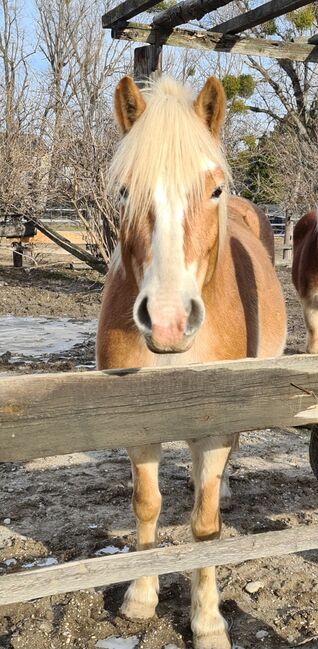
129 103
210 105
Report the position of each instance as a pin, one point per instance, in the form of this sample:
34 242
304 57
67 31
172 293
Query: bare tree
22 154
284 88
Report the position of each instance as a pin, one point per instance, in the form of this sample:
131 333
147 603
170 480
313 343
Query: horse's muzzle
169 332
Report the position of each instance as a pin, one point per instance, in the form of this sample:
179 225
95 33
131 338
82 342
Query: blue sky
28 24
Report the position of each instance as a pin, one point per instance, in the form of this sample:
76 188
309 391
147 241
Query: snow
118 643
111 549
41 563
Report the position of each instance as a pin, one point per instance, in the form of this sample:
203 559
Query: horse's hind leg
226 492
210 456
141 597
310 308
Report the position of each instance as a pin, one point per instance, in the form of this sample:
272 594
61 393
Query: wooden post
147 63
288 238
17 255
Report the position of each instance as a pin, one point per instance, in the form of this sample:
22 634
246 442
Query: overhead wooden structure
228 36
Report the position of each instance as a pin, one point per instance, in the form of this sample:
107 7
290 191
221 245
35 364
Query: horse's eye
123 192
217 192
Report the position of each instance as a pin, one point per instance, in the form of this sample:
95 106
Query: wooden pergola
227 36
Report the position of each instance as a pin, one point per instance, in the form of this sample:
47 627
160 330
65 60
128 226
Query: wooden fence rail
43 415
89 573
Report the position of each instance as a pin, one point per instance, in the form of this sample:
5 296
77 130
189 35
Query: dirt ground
74 506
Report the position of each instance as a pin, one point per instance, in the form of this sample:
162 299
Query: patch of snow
41 563
111 549
10 562
118 643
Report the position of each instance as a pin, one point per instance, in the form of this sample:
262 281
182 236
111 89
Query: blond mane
168 141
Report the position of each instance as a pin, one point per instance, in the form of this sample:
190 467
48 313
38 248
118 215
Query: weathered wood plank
72 248
210 40
126 10
89 573
184 11
16 226
50 414
147 63
258 16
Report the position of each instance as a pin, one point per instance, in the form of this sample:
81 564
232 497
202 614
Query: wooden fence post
147 63
17 252
288 238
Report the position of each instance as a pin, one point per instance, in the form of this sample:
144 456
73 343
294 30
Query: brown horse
192 280
305 274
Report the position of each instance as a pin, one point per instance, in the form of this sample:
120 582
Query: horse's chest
176 360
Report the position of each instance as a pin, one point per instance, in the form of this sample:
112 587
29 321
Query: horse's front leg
141 597
210 456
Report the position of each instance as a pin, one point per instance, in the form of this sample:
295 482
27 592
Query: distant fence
62 215
276 215
42 415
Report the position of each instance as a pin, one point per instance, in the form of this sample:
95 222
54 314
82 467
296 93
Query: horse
305 274
191 281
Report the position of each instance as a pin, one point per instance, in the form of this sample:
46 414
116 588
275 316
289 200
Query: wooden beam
147 63
16 226
72 248
50 414
258 16
90 573
209 40
182 12
126 10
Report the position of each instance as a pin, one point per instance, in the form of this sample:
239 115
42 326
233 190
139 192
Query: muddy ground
70 507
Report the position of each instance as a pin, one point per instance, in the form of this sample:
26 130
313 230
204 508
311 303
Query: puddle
39 337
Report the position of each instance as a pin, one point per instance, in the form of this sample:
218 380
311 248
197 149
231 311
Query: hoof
137 610
140 600
312 349
212 641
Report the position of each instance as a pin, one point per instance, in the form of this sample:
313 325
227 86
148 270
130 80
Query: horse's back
255 219
258 289
305 255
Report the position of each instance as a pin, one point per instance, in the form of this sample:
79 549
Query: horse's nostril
143 314
195 318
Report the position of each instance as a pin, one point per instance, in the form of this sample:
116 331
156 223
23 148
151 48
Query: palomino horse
187 284
305 274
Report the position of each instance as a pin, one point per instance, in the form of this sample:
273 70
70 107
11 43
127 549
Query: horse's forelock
167 142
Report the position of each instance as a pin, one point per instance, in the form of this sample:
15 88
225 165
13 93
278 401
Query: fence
42 415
